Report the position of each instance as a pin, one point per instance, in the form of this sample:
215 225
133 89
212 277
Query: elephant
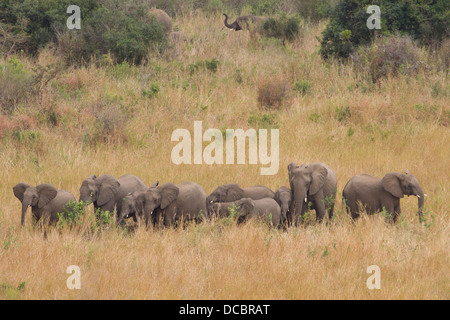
169 203
133 205
266 208
163 18
45 201
313 186
107 192
374 194
242 22
283 196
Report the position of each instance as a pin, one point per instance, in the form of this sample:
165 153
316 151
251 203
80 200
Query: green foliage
426 21
302 86
281 27
104 218
107 26
152 91
263 120
15 83
72 214
210 65
343 113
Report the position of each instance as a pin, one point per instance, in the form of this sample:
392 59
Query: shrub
302 86
281 27
389 57
15 83
273 92
423 20
72 214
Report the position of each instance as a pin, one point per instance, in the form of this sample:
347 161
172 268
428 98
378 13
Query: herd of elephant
312 186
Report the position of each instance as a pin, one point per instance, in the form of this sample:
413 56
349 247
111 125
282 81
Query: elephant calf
374 194
167 204
45 201
265 209
232 192
283 197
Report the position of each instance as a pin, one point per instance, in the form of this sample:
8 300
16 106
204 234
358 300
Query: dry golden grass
400 124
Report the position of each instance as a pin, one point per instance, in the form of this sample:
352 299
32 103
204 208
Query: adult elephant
169 203
242 22
107 192
364 192
163 18
283 196
45 201
266 209
313 186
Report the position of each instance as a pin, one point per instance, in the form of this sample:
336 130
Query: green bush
281 27
425 21
389 57
107 26
15 83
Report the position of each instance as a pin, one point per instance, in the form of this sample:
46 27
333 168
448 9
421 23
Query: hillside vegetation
62 122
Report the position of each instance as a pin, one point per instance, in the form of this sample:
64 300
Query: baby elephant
377 194
283 197
263 208
45 201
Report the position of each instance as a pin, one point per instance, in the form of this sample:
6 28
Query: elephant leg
319 206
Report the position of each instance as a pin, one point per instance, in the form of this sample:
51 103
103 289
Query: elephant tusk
306 200
418 196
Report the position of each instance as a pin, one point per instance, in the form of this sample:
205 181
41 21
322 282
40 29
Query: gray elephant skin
242 22
45 201
232 192
167 204
313 185
372 195
107 192
283 196
264 209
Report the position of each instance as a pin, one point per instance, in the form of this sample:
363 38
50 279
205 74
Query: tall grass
399 123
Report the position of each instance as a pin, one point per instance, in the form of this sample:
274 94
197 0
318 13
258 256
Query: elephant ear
391 183
169 193
107 190
291 168
154 185
232 192
47 193
319 177
140 204
19 190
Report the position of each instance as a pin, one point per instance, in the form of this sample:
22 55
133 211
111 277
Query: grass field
63 135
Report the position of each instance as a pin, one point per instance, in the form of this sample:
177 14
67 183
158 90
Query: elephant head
35 197
99 190
246 208
283 196
133 204
399 184
226 193
305 181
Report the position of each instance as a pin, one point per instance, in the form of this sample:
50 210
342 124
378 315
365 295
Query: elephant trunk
300 200
421 200
229 26
25 206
